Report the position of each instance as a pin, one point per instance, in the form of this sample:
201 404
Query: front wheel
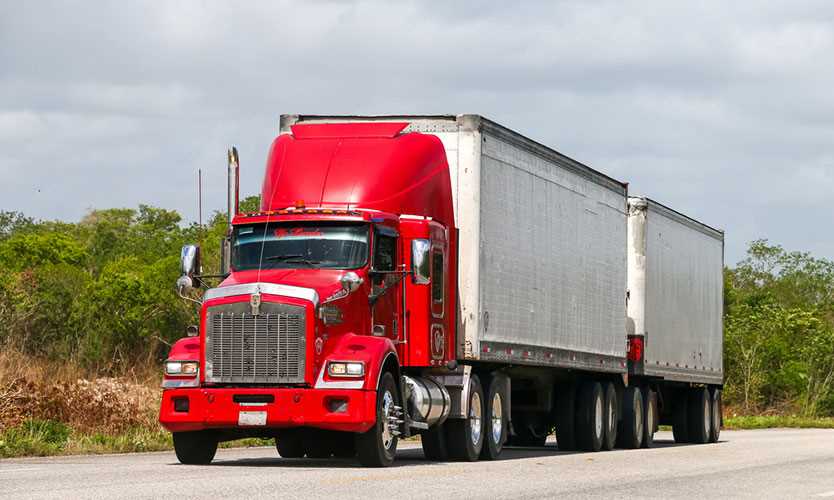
195 448
378 446
465 437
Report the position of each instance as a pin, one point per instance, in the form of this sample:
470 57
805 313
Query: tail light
635 348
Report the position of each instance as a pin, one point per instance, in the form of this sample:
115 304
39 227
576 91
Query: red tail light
635 348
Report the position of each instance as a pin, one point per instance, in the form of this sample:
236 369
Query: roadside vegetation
88 311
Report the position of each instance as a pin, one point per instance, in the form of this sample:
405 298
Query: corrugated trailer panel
552 258
683 300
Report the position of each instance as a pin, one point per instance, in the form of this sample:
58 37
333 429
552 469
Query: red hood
324 281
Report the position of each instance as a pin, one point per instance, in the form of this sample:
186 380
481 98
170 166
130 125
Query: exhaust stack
233 194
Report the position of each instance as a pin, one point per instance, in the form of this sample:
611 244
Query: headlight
181 368
345 369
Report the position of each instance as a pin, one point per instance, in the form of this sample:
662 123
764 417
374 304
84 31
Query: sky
721 110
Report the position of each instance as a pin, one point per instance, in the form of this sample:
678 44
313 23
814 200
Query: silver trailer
675 282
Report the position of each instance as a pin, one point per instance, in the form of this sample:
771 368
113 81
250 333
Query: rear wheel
565 418
610 417
716 415
590 417
465 437
378 446
195 448
680 425
632 422
290 444
495 427
699 416
649 417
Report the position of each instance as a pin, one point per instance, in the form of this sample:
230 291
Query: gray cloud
722 110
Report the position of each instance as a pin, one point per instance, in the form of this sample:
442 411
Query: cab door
386 314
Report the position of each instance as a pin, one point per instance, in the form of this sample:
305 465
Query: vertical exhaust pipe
232 208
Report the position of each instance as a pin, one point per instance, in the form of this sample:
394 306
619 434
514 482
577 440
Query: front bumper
215 408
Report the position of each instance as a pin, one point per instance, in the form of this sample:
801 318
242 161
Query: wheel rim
475 418
497 419
707 417
650 417
612 417
598 416
716 414
387 407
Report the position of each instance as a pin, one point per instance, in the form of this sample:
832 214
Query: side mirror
420 262
189 266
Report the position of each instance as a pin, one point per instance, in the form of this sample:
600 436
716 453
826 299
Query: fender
185 349
375 352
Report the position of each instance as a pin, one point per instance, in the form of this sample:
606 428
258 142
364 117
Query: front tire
465 437
378 446
290 444
195 448
495 425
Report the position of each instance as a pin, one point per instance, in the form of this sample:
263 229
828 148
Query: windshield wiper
293 259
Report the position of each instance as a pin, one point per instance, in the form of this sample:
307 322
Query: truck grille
242 348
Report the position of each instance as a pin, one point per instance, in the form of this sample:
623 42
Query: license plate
251 418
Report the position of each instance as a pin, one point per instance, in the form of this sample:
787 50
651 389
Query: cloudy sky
724 110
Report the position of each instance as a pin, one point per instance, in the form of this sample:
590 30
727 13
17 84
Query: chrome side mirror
420 261
350 282
189 266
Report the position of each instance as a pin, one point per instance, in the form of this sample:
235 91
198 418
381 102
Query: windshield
282 245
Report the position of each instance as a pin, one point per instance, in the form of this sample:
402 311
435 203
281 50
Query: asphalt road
777 463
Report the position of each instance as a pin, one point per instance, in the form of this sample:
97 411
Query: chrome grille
242 348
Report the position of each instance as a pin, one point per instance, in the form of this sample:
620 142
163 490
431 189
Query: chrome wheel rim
387 407
497 419
707 418
638 414
650 417
475 418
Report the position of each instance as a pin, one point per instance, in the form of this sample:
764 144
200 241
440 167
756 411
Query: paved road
745 464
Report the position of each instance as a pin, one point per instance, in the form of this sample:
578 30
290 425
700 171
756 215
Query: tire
565 418
530 430
318 443
649 417
290 444
632 422
377 447
465 437
610 417
699 416
343 445
589 417
680 426
434 444
195 448
495 421
716 411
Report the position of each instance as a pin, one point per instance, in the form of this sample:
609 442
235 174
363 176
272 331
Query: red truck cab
343 278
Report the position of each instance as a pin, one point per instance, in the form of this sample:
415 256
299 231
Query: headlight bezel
181 368
346 369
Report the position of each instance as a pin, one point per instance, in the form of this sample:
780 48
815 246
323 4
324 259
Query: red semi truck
447 277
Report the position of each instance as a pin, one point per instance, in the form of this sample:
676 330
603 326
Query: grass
777 421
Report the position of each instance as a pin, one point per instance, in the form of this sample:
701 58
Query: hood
324 281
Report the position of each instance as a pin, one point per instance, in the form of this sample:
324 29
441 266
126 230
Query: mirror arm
186 297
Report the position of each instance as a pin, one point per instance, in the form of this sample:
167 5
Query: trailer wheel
680 426
716 415
632 423
700 416
610 417
195 448
290 444
590 427
378 446
649 417
495 423
565 417
465 437
434 444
